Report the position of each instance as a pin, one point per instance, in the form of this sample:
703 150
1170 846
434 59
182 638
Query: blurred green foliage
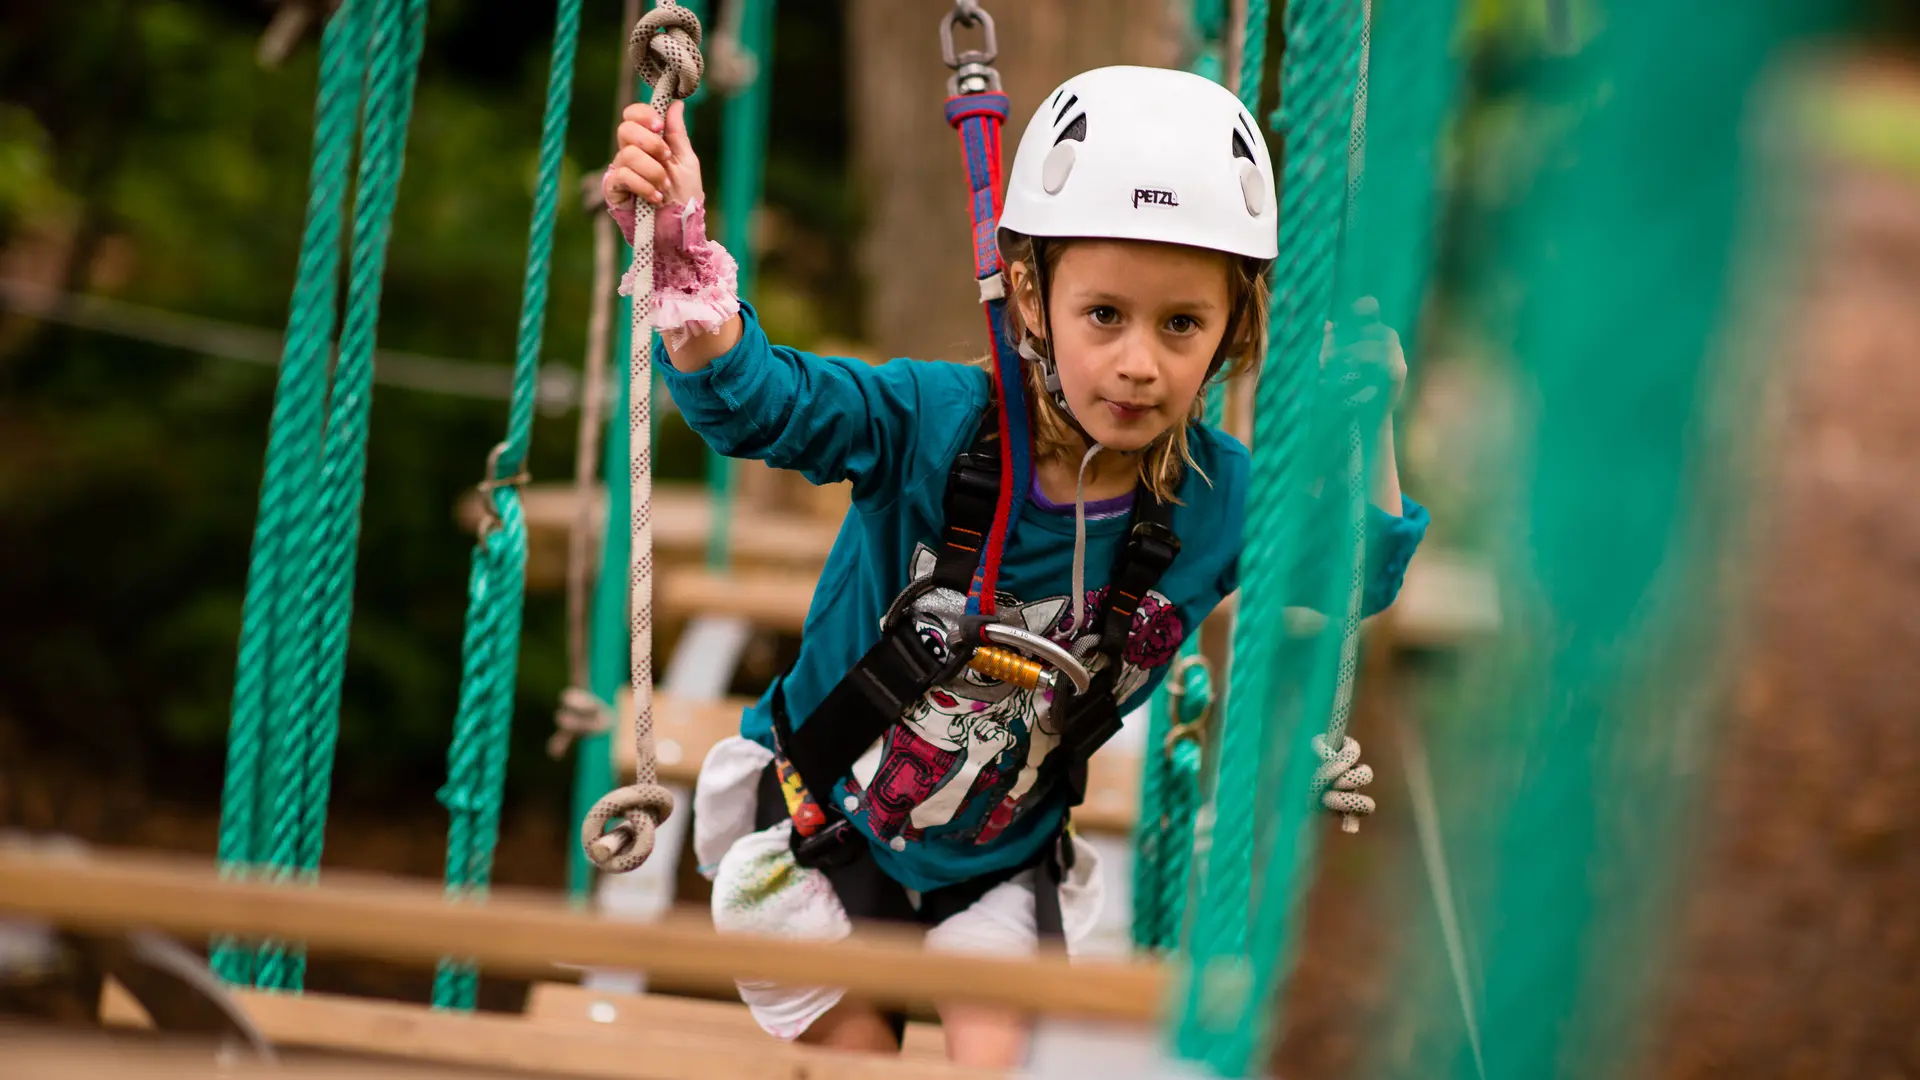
146 155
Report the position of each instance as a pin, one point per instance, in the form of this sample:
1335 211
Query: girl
919 761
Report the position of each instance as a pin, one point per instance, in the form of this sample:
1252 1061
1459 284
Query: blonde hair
1054 433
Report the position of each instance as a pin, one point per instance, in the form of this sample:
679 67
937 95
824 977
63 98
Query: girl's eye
1183 324
976 678
1104 315
934 642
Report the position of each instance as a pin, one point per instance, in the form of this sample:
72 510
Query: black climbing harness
901 667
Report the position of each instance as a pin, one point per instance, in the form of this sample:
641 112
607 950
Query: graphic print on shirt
977 740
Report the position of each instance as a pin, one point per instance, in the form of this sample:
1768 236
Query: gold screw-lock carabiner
1195 730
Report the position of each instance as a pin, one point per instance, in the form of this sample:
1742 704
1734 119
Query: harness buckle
976 474
1153 543
836 845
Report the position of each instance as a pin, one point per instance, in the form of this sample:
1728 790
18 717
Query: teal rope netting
1250 871
1167 823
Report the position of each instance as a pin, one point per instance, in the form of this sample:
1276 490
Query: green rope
396 61
295 629
1223 1006
1170 800
1209 23
1170 782
293 443
743 154
319 653
476 765
1253 54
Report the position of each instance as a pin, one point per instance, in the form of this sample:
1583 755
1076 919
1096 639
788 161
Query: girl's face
1135 326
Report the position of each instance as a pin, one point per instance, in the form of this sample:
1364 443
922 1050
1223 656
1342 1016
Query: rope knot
665 50
1338 779
641 809
581 713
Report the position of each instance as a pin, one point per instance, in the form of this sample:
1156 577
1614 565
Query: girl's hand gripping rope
696 290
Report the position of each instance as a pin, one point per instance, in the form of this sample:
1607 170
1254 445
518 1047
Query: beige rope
666 51
581 712
1340 772
733 68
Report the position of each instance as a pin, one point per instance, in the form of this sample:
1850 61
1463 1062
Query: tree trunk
920 299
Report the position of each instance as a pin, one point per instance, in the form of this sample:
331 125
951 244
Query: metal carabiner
973 70
1194 730
490 514
1042 649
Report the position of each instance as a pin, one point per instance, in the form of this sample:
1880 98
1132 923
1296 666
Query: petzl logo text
1154 197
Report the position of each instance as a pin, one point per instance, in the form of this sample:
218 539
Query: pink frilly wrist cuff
696 283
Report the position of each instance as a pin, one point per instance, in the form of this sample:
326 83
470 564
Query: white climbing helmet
1140 153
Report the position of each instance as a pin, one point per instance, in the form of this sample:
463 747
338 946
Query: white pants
759 889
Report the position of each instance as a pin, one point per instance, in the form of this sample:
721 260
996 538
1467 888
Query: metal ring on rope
490 514
1193 729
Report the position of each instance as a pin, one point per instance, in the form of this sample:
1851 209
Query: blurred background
153 170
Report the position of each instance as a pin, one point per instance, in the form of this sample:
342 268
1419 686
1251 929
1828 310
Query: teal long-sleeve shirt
954 791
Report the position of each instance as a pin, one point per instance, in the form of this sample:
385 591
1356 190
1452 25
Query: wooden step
1446 600
652 1040
567 1003
682 522
515 934
684 731
773 599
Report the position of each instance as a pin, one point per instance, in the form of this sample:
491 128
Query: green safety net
743 170
1550 774
1170 767
1620 301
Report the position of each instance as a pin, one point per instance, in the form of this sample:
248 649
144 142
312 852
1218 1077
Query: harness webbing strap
978 119
1087 720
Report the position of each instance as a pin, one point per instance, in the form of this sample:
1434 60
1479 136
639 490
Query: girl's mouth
1126 413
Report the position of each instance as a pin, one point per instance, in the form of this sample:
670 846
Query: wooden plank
1113 793
684 731
682 521
777 600
569 1003
1446 601
413 921
535 1044
36 1053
